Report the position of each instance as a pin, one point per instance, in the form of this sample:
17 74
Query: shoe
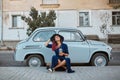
70 71
47 67
51 70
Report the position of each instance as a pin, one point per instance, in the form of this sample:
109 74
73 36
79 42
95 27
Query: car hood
96 42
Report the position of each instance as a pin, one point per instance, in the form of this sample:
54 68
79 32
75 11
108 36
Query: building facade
86 15
0 17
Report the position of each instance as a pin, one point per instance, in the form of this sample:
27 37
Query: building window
116 18
84 19
50 4
16 21
50 1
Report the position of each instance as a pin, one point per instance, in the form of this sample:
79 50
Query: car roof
57 28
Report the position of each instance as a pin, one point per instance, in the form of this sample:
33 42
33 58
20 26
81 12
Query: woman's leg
54 61
59 61
62 63
68 64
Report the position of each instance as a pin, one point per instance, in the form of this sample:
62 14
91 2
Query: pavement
82 73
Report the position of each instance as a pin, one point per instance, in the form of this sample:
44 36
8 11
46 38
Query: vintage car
34 52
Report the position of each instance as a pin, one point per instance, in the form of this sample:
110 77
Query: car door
39 39
78 48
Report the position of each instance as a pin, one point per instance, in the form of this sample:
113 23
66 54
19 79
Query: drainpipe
2 23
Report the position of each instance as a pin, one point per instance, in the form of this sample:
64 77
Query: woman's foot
51 70
70 71
47 67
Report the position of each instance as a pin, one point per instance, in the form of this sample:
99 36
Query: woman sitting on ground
61 51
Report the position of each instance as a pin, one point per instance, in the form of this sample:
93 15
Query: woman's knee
54 57
67 59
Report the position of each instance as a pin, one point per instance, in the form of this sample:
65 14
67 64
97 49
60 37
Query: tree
43 20
104 28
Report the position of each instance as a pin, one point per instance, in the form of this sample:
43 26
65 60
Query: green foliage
35 20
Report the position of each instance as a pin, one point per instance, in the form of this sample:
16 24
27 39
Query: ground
11 70
82 73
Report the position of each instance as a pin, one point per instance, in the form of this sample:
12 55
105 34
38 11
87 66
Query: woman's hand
63 54
47 42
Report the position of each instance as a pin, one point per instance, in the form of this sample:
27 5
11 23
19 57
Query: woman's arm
66 53
63 54
47 42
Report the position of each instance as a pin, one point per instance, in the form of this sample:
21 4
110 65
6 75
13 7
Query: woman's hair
54 45
53 37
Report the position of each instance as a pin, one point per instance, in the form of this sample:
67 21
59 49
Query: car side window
43 36
71 36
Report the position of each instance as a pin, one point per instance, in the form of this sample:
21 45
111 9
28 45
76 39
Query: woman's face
57 38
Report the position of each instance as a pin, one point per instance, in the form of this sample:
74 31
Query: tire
35 61
99 59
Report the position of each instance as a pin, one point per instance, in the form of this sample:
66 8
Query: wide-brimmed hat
53 37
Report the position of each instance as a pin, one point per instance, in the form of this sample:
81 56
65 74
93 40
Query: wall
0 17
65 18
10 33
0 25
24 5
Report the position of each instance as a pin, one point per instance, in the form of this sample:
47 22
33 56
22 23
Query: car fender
46 58
99 51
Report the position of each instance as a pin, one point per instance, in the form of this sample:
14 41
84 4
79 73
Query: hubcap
34 62
100 61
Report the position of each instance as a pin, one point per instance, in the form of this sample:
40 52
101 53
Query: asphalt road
6 60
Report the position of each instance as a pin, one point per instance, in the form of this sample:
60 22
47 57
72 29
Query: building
86 15
0 17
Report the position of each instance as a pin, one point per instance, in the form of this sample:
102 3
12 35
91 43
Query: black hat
53 37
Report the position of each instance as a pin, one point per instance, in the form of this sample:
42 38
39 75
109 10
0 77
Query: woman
61 51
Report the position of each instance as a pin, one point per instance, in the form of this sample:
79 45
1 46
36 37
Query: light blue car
81 50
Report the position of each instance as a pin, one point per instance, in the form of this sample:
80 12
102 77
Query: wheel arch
103 52
35 54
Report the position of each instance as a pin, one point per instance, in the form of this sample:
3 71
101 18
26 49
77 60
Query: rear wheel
35 61
99 59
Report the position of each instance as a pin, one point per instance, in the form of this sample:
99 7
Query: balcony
50 4
114 2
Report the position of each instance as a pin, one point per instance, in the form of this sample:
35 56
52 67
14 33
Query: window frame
39 32
16 27
72 40
45 2
115 16
83 21
13 21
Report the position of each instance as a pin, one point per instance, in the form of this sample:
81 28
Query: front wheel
35 61
99 59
